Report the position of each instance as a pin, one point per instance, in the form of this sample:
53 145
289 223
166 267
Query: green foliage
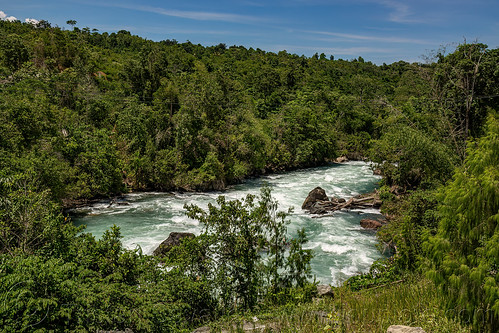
210 176
95 285
417 218
29 222
464 252
381 272
235 236
409 158
15 53
95 162
385 194
460 76
298 261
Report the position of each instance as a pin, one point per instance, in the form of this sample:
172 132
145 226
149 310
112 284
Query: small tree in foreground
246 250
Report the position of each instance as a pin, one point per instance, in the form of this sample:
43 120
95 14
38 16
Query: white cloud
4 17
32 21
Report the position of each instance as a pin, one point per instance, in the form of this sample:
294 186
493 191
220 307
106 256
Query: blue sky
381 31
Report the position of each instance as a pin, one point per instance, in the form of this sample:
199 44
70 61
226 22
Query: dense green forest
87 115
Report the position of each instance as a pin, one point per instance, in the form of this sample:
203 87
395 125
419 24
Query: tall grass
414 302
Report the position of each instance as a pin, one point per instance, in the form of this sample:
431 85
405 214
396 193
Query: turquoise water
342 248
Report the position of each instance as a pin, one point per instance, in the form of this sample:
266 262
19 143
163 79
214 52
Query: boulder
404 329
174 239
324 290
341 159
370 224
317 194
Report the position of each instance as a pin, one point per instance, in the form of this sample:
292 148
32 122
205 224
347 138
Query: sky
380 31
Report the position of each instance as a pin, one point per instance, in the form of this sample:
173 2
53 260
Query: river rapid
341 247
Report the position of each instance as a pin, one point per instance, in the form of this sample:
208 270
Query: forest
86 115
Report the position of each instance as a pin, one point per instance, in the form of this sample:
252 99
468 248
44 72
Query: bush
236 234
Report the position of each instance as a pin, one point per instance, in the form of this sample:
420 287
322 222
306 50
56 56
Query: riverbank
69 203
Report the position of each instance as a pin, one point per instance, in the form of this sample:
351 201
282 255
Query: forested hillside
97 114
87 115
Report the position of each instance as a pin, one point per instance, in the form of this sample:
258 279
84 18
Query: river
342 248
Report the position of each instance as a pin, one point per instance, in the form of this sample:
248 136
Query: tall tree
465 251
462 75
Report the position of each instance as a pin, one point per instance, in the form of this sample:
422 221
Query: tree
465 251
15 52
71 22
460 74
409 157
29 222
238 232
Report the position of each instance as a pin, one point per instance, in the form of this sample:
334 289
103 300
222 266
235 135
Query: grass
414 302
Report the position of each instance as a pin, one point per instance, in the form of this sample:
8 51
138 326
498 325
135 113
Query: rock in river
317 194
174 239
370 224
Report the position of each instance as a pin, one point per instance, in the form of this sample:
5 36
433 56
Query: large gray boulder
316 195
174 239
404 329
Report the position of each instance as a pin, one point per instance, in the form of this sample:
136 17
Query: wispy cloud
253 3
400 12
333 50
192 15
355 37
